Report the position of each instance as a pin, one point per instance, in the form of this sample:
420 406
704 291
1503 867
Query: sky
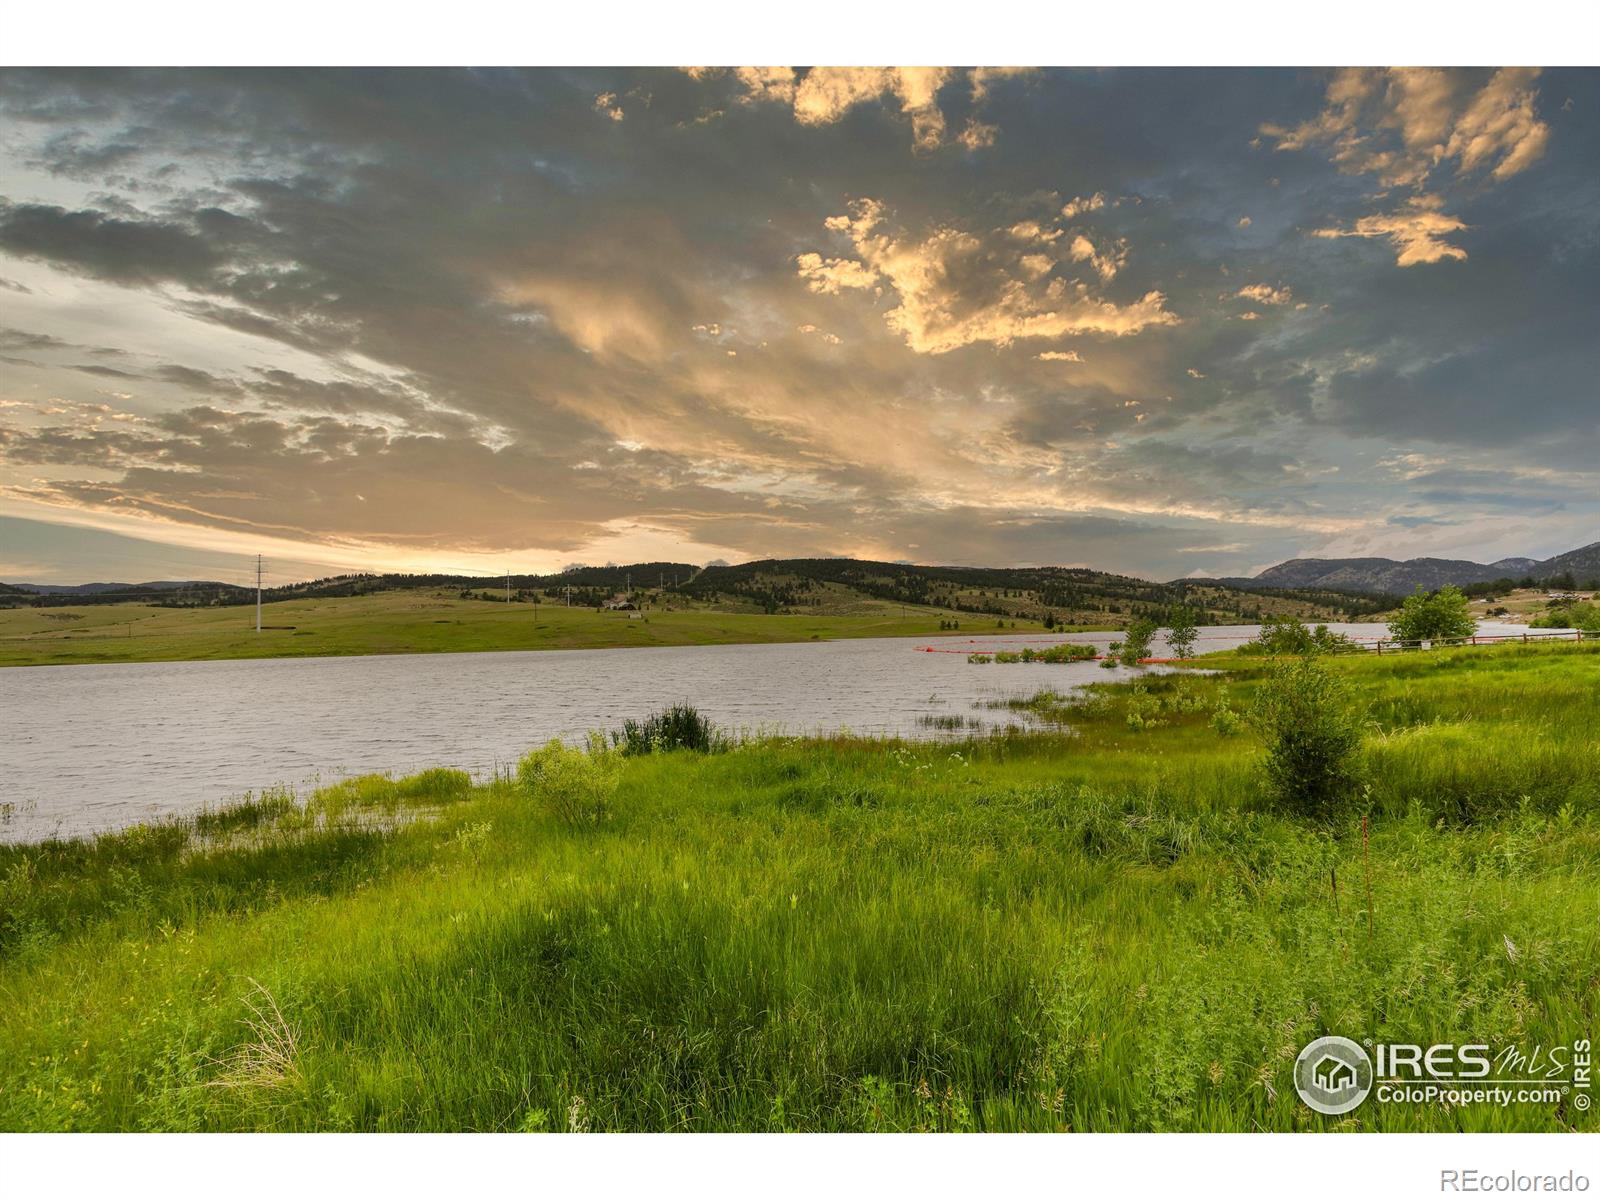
1166 322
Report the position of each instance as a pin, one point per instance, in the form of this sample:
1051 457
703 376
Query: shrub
1067 652
1136 642
1225 719
1182 629
1288 635
1582 615
1312 732
1433 616
680 727
578 788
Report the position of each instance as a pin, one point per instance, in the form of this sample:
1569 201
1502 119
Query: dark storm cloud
951 316
109 247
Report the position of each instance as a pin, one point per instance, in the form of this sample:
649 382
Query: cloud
1417 231
977 135
830 276
982 79
767 83
1079 205
957 288
832 339
505 319
606 105
127 251
1500 126
1263 293
1106 262
1403 123
823 95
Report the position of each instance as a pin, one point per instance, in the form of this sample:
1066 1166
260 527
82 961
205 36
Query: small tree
1136 642
1312 731
1433 616
1182 629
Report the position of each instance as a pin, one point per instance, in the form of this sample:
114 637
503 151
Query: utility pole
508 586
258 593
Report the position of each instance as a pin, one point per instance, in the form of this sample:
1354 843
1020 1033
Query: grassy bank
1107 929
423 622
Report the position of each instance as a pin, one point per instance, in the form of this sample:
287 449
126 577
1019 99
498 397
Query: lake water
88 748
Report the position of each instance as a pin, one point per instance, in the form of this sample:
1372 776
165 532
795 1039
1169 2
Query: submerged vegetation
1127 926
1061 652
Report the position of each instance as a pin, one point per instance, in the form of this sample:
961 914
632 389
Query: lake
91 748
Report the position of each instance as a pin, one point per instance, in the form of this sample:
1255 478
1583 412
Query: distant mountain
1583 563
1389 576
1375 574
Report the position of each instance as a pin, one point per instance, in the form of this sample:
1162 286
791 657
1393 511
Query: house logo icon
1333 1075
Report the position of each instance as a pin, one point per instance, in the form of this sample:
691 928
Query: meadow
1102 925
422 622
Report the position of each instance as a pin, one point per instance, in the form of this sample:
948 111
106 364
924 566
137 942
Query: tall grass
1110 930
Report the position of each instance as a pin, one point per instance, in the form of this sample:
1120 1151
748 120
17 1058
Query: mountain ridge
1400 576
1372 576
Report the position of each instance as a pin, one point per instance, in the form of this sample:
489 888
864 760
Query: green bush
1136 642
1581 615
1225 719
680 727
577 787
1288 635
1312 732
1433 616
1182 630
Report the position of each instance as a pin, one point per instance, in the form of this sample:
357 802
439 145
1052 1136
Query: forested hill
1575 569
1066 595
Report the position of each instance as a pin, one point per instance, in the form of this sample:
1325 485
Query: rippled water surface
96 747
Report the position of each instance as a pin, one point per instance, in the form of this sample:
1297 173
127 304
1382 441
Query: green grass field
1107 929
419 622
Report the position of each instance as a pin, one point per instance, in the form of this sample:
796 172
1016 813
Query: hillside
813 587
1058 595
1575 568
1375 574
1582 563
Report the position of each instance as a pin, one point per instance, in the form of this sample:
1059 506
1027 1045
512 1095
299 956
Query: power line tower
258 593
